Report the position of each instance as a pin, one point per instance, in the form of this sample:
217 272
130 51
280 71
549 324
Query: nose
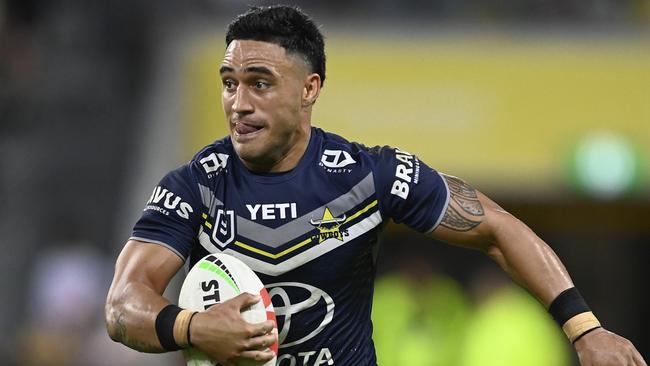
242 103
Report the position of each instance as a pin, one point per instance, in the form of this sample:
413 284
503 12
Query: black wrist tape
566 305
165 327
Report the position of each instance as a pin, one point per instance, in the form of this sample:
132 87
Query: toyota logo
305 297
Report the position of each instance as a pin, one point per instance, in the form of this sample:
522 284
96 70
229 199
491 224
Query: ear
311 89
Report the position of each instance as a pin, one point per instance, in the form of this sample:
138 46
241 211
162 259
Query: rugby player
303 208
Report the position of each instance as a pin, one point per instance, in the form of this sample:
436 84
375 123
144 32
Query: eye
261 85
229 84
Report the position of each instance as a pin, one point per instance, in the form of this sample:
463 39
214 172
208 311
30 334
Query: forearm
527 258
131 317
142 272
473 220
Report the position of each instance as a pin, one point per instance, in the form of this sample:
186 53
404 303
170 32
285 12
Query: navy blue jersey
310 234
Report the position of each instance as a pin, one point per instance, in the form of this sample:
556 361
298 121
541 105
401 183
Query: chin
249 152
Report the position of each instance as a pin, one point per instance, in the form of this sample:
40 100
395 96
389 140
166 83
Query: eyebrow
251 69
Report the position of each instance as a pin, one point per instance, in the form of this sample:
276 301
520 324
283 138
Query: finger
638 359
263 328
258 355
245 300
262 342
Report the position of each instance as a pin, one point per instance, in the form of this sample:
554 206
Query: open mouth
245 129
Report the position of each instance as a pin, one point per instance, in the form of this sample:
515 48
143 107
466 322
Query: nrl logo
224 227
329 227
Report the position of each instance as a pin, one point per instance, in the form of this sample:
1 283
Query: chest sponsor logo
214 163
335 161
407 171
273 211
302 311
329 227
162 200
223 232
307 358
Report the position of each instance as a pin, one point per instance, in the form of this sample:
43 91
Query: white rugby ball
217 278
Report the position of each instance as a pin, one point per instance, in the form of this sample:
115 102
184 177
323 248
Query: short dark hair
286 26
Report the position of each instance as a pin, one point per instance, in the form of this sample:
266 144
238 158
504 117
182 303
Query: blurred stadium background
542 104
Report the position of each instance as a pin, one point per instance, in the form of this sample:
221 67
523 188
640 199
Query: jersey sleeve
410 192
170 216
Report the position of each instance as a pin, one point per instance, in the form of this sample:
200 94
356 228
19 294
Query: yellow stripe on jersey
271 255
362 211
302 243
205 216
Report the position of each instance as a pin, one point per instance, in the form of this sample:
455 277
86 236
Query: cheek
282 111
292 105
226 103
287 117
276 110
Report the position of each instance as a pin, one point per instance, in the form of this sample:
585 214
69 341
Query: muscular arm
473 220
142 272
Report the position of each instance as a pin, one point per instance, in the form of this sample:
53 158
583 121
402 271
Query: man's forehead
243 53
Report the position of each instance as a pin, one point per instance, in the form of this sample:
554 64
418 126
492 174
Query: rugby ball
217 278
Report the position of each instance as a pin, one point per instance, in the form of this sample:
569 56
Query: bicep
473 220
142 272
149 264
470 218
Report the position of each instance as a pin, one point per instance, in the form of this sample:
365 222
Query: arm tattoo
453 220
460 188
472 207
121 327
143 347
133 343
467 199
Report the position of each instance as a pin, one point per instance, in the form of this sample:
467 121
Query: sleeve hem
444 207
147 240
